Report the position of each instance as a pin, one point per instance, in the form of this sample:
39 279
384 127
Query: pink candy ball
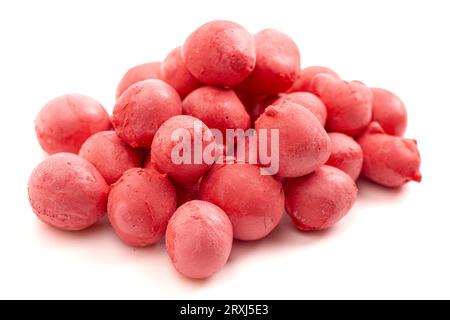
349 104
64 123
254 202
220 53
218 108
199 239
142 109
164 147
277 63
319 200
303 143
110 155
307 100
389 111
140 205
389 160
138 73
175 73
67 192
346 154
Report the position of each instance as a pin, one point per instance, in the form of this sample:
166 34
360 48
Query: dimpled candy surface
319 200
110 155
303 143
389 160
142 109
199 238
64 123
254 202
67 192
220 53
140 205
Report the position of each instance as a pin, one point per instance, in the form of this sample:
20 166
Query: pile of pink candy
329 132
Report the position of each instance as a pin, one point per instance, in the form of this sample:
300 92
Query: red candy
220 53
307 100
389 111
175 73
140 205
253 202
388 160
163 149
303 146
319 200
349 104
138 73
199 239
67 192
277 63
110 155
218 108
142 109
305 77
64 123
346 154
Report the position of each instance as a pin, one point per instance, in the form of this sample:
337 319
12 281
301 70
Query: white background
393 244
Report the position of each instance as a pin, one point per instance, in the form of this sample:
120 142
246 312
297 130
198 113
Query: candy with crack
64 123
67 192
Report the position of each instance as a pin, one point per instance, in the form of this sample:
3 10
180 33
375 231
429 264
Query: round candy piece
305 76
67 192
138 73
319 200
220 53
110 155
64 123
199 239
303 143
277 63
175 73
389 111
307 100
389 160
218 108
141 110
346 154
349 104
180 148
140 205
254 202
